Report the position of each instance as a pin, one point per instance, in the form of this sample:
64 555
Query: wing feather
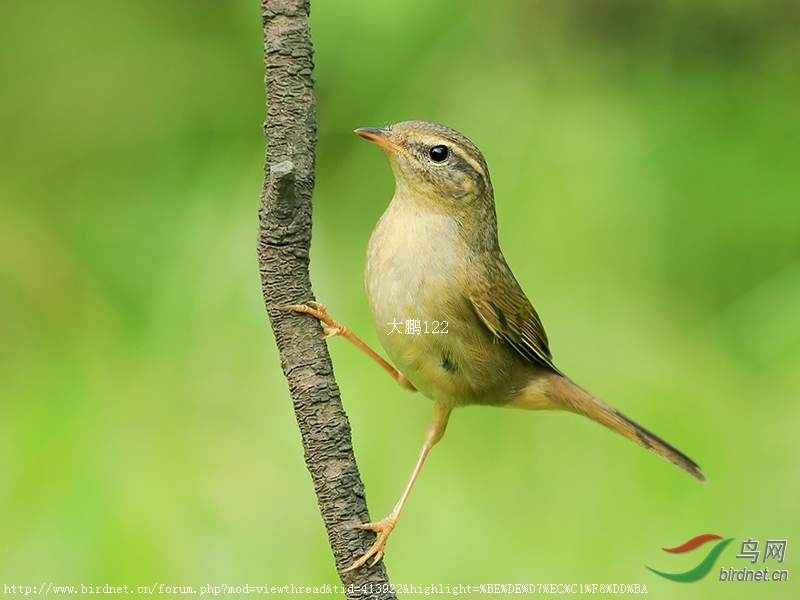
509 315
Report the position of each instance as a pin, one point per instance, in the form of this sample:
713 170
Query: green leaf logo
704 567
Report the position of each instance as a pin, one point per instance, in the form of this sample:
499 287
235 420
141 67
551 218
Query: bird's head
435 165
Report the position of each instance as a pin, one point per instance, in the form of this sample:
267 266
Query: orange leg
385 526
333 328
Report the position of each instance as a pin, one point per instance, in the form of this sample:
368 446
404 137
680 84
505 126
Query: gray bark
284 237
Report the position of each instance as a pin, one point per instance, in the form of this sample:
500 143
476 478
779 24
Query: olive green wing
509 315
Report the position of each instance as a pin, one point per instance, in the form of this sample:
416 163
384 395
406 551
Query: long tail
562 393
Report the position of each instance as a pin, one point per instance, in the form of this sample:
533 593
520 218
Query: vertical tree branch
284 237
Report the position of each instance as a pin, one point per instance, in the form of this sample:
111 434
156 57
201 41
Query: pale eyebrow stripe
463 153
474 163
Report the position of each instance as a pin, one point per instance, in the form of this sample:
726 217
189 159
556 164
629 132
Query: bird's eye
439 153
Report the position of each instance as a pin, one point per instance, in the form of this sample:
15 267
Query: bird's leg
385 526
333 328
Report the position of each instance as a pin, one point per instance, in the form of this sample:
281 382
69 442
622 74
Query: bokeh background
645 158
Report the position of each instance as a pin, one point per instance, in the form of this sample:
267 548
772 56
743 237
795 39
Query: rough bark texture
283 244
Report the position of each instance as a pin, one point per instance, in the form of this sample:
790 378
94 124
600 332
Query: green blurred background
645 163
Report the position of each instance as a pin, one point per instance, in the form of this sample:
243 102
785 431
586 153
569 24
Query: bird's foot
330 327
333 328
383 528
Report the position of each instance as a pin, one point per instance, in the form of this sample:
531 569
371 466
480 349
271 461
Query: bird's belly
416 285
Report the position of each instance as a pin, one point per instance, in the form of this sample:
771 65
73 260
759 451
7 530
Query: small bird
449 311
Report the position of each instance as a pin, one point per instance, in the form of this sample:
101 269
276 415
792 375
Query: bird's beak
382 137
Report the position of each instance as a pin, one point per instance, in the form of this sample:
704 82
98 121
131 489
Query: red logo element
693 543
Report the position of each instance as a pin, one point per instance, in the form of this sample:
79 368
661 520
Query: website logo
705 565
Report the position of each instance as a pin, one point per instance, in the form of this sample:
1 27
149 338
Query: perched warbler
434 259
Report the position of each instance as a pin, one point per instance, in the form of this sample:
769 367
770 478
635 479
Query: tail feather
575 398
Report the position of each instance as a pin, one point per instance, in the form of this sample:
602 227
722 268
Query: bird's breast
414 262
417 277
